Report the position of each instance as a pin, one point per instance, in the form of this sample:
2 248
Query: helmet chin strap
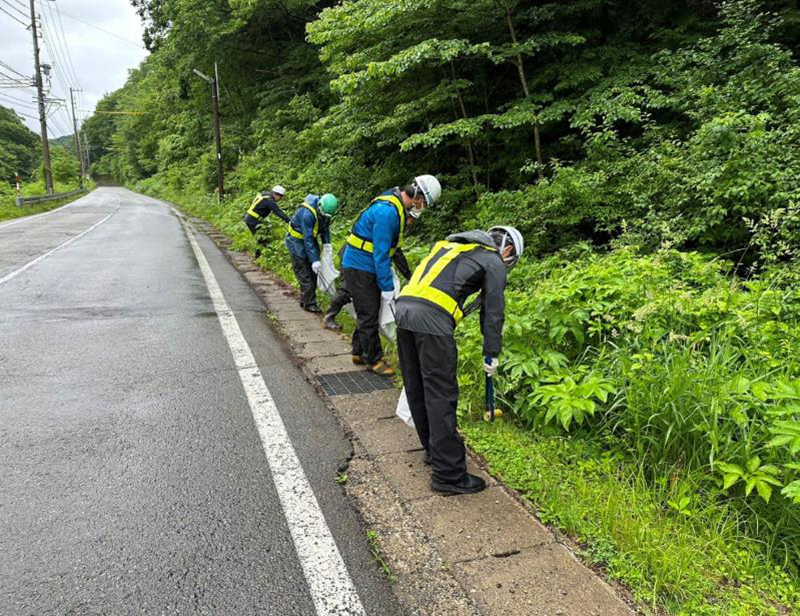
502 249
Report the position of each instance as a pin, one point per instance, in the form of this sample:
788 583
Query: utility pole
220 172
77 137
48 173
215 106
86 151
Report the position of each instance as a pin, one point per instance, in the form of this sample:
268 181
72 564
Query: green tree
20 148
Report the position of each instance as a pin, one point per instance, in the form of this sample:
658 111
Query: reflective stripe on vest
420 285
252 211
297 234
363 244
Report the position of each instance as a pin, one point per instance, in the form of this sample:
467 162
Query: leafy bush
669 361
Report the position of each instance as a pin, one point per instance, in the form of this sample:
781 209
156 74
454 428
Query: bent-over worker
427 312
374 240
264 204
310 223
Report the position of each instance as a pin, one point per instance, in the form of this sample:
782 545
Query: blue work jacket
304 222
380 225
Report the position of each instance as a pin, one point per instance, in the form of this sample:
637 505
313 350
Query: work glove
490 365
327 247
387 296
316 266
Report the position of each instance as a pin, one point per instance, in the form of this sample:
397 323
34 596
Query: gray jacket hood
472 237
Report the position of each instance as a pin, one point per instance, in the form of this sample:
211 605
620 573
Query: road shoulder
482 554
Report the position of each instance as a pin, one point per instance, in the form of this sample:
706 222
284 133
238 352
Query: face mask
511 260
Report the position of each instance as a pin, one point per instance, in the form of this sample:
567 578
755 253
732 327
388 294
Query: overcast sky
100 60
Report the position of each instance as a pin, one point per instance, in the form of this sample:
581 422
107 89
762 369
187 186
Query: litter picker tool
489 410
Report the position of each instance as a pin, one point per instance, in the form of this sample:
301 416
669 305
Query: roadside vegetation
20 153
649 153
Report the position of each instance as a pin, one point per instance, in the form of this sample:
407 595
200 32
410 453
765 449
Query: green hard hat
328 204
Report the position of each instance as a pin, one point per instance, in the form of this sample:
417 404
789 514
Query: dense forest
20 148
21 154
650 153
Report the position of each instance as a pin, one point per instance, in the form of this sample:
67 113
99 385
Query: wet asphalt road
132 477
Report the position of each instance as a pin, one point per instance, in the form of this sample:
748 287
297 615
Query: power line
58 44
25 114
55 42
91 25
13 17
8 68
54 58
18 101
22 100
66 47
11 77
15 8
9 83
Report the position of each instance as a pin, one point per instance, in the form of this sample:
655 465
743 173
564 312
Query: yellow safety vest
297 234
252 211
421 284
366 245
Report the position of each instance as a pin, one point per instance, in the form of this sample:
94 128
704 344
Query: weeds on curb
377 554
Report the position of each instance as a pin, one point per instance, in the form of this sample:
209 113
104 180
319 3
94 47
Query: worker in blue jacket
310 223
367 262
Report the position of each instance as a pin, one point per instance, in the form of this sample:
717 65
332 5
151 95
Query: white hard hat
505 235
430 187
279 190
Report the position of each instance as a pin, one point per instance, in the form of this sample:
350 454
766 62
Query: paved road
133 478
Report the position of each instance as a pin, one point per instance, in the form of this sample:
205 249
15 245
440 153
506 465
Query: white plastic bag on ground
386 320
403 410
326 279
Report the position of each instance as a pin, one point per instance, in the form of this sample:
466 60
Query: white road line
331 588
27 218
30 264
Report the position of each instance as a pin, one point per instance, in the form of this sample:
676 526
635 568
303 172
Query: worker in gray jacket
427 312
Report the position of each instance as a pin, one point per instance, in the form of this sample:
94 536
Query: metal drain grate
347 383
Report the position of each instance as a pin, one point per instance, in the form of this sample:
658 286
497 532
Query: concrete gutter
484 554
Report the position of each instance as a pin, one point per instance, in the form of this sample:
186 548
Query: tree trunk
469 145
524 80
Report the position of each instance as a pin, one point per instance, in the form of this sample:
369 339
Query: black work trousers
261 237
307 280
366 294
430 365
340 299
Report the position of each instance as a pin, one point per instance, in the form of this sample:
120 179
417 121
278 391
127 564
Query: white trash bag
403 410
326 279
387 324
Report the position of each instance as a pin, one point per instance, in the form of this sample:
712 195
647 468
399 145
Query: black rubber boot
468 484
313 308
330 323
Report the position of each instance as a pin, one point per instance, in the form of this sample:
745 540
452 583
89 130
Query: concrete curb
484 554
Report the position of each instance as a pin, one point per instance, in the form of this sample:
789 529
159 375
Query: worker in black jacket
264 204
427 311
